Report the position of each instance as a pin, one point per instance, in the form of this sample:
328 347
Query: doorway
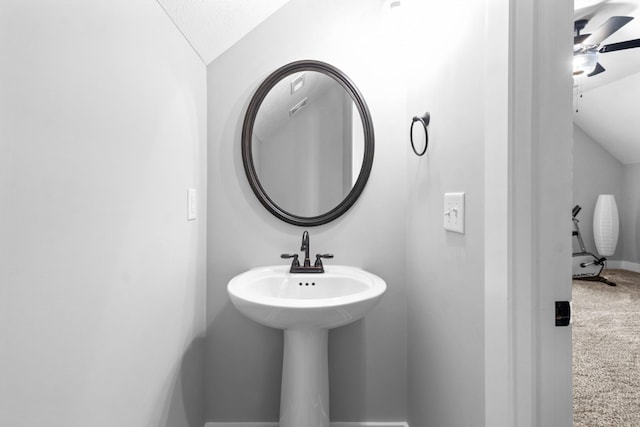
607 161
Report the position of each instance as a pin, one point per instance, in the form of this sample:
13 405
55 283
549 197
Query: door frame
528 185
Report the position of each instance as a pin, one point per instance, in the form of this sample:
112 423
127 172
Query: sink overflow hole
307 284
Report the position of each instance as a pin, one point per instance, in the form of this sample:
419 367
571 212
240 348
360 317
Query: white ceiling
608 108
213 26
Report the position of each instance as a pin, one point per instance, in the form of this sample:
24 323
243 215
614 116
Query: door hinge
563 313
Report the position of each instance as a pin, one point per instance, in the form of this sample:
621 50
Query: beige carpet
606 351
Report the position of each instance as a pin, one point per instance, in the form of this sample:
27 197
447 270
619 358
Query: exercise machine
586 266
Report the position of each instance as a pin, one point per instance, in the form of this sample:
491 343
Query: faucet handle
295 262
319 257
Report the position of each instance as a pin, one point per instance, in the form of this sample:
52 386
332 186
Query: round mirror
307 143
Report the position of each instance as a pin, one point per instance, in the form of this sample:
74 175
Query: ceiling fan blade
612 25
599 69
629 44
580 39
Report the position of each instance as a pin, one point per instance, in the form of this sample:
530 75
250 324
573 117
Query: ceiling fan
586 47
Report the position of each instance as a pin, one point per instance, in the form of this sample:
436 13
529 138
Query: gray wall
102 279
445 271
595 172
367 358
630 213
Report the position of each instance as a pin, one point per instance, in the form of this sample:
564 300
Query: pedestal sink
305 306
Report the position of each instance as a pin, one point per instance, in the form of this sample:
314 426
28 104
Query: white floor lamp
606 224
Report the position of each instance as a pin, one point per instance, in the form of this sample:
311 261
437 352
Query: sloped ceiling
607 103
213 26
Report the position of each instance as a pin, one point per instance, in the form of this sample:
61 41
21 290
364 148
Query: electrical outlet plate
454 212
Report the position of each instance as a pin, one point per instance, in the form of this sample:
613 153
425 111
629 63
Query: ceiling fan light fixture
584 63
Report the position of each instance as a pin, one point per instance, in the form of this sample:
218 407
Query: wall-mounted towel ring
424 120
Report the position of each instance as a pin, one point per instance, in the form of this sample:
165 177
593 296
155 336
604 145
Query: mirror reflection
307 143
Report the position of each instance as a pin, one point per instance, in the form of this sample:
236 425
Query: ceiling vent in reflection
297 107
392 4
297 83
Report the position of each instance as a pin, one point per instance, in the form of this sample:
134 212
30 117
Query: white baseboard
624 265
371 424
241 425
333 424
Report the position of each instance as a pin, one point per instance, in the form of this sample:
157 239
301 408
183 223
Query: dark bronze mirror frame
247 132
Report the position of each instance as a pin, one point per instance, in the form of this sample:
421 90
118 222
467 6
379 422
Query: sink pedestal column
304 398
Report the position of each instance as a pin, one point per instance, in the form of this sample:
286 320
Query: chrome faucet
306 266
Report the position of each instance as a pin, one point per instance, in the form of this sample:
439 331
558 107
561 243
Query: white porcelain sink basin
274 297
306 306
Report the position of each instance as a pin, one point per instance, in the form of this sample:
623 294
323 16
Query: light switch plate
191 204
454 212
